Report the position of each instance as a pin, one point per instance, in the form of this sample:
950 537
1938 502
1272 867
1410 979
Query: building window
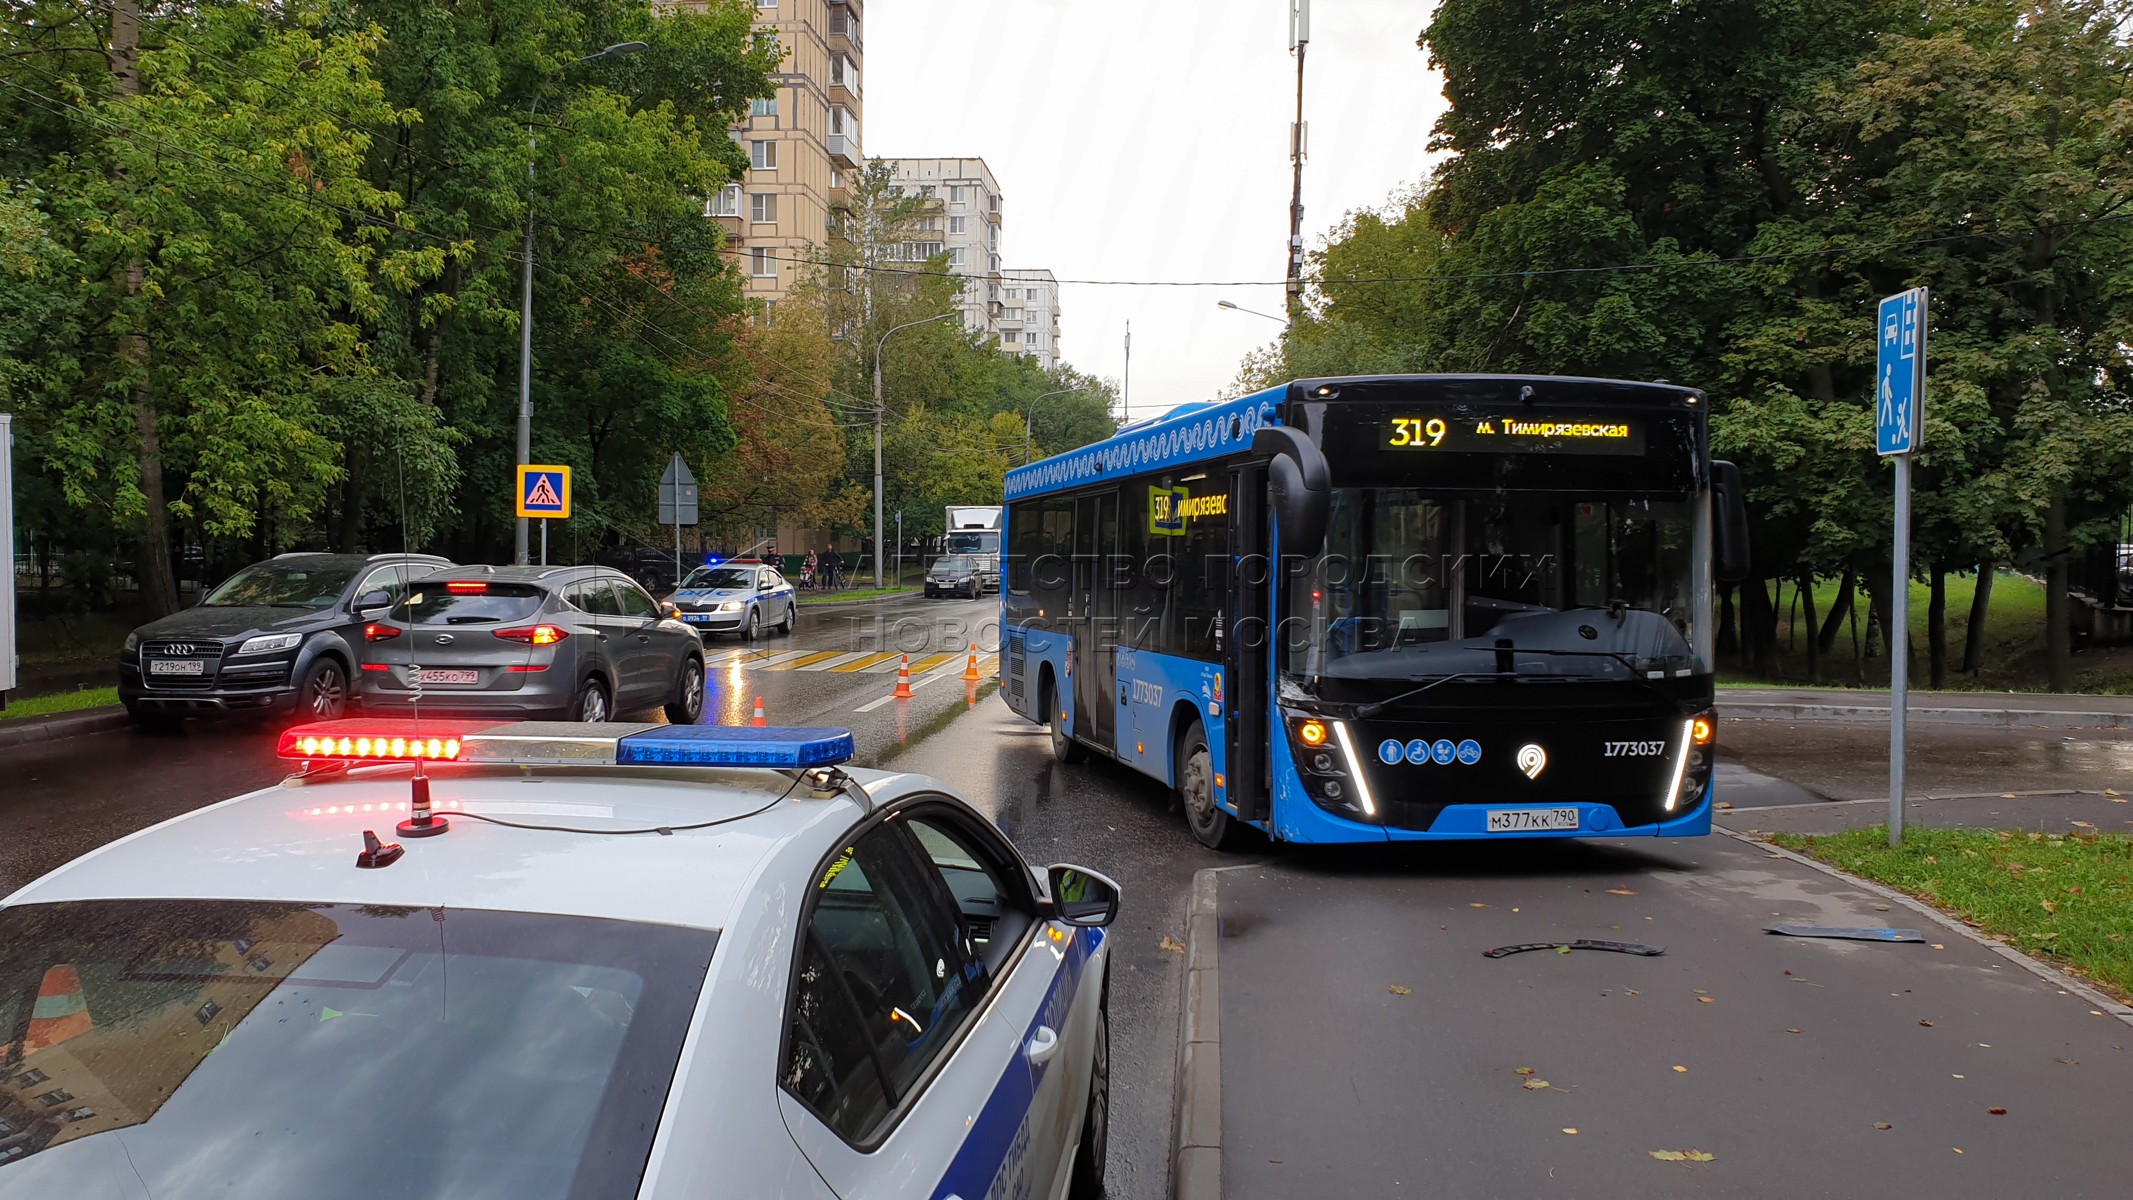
766 3
842 123
1014 293
836 177
760 264
725 203
1013 314
929 224
992 291
1011 336
842 72
955 224
955 256
763 106
926 191
763 155
763 208
995 262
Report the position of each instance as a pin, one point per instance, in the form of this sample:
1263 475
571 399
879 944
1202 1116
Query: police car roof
298 841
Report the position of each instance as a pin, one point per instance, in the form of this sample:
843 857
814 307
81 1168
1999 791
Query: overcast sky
1149 140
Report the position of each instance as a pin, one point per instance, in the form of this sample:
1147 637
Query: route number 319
1414 431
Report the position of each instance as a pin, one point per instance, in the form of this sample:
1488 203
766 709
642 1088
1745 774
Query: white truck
974 529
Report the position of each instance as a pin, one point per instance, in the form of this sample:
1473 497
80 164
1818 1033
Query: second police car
744 597
558 960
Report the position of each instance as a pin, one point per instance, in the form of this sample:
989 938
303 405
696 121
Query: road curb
2044 971
1996 718
31 731
1196 1173
862 600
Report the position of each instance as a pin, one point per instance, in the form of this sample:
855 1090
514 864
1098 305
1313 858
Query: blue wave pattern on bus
1186 434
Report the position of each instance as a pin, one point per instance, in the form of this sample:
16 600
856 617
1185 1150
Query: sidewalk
1346 1037
31 731
2003 709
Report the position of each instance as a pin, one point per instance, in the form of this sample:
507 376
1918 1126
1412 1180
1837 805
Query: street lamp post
525 316
1031 416
877 432
1253 311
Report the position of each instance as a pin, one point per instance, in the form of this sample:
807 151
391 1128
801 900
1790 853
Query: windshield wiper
1504 653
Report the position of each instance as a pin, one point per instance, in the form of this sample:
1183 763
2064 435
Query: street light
877 432
1031 415
1255 312
525 317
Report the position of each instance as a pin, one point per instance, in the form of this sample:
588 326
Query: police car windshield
294 584
181 1049
720 577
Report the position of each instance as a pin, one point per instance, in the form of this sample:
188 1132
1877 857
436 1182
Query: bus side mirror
1297 488
1729 505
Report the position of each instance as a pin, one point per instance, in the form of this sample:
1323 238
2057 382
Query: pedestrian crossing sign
544 491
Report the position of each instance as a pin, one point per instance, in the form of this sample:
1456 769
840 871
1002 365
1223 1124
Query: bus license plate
433 675
176 666
1521 820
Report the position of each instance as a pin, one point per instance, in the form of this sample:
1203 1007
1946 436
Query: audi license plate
1522 820
433 675
177 666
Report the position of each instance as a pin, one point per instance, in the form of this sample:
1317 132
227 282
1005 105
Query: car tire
792 618
591 703
1087 1182
1064 748
687 706
1213 828
322 694
754 628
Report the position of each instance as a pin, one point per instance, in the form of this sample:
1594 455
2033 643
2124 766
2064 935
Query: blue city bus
1387 608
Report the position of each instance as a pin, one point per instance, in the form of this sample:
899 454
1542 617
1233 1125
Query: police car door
906 1066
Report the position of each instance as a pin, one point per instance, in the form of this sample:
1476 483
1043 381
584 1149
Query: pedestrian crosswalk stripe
864 661
929 662
808 660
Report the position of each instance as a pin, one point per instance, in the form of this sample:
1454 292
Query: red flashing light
467 587
535 635
367 739
374 632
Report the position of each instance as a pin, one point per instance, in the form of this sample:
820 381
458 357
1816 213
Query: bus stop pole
1899 645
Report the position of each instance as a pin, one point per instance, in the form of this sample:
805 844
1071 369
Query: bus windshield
1415 585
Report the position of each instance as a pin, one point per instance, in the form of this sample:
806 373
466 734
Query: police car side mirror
1080 896
376 600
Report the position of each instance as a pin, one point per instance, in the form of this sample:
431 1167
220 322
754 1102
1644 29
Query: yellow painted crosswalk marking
929 662
807 660
864 661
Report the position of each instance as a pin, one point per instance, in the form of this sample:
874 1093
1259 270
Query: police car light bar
530 743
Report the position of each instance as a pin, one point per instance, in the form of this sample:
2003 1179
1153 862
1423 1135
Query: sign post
1899 420
677 504
7 558
544 492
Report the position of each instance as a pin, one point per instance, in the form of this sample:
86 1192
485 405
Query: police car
558 960
743 596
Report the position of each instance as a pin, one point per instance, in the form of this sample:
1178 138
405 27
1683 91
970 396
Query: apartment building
1029 315
967 216
801 142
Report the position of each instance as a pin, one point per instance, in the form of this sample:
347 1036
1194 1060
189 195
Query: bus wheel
1064 748
1196 788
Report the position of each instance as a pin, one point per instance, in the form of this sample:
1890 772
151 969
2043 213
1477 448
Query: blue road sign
1900 372
544 492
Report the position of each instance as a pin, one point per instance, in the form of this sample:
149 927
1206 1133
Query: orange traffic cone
759 721
903 679
60 1012
970 673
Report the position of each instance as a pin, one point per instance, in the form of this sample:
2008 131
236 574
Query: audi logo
178 649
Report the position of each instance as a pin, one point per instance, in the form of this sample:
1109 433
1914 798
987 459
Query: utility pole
1299 39
1125 398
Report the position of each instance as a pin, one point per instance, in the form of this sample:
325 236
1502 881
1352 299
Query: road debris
1848 932
1577 944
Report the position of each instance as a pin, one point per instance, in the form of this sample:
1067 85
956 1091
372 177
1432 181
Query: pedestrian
807 571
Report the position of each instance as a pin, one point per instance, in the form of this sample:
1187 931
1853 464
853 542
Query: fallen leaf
1397 990
1957 1149
2009 796
1571 1130
1534 1085
1632 991
1883 1125
1725 804
1476 904
1705 1000
1700 1156
1699 991
1792 1031
1938 946
2050 906
2082 824
1562 949
1984 1045
1997 1111
1959 1077
1171 944
1514 910
1682 1156
2111 792
1620 891
2068 1062
1926 1023
1679 1069
2095 1012
1522 1070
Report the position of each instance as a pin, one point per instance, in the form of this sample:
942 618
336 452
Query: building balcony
844 151
734 227
845 93
993 214
840 199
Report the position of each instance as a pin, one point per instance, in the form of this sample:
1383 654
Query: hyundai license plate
177 666
433 675
1522 820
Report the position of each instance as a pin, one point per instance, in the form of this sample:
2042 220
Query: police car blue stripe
993 1151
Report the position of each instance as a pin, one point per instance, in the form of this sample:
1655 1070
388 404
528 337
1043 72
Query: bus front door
1095 621
1247 650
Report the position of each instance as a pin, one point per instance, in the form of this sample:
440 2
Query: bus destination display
1514 434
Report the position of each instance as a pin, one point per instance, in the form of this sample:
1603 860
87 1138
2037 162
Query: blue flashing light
796 747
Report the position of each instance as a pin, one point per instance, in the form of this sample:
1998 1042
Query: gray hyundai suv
569 643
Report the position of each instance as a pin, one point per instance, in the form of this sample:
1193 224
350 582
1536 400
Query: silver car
736 597
570 643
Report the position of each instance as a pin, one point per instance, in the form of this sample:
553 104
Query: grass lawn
2013 658
839 597
2065 899
44 706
